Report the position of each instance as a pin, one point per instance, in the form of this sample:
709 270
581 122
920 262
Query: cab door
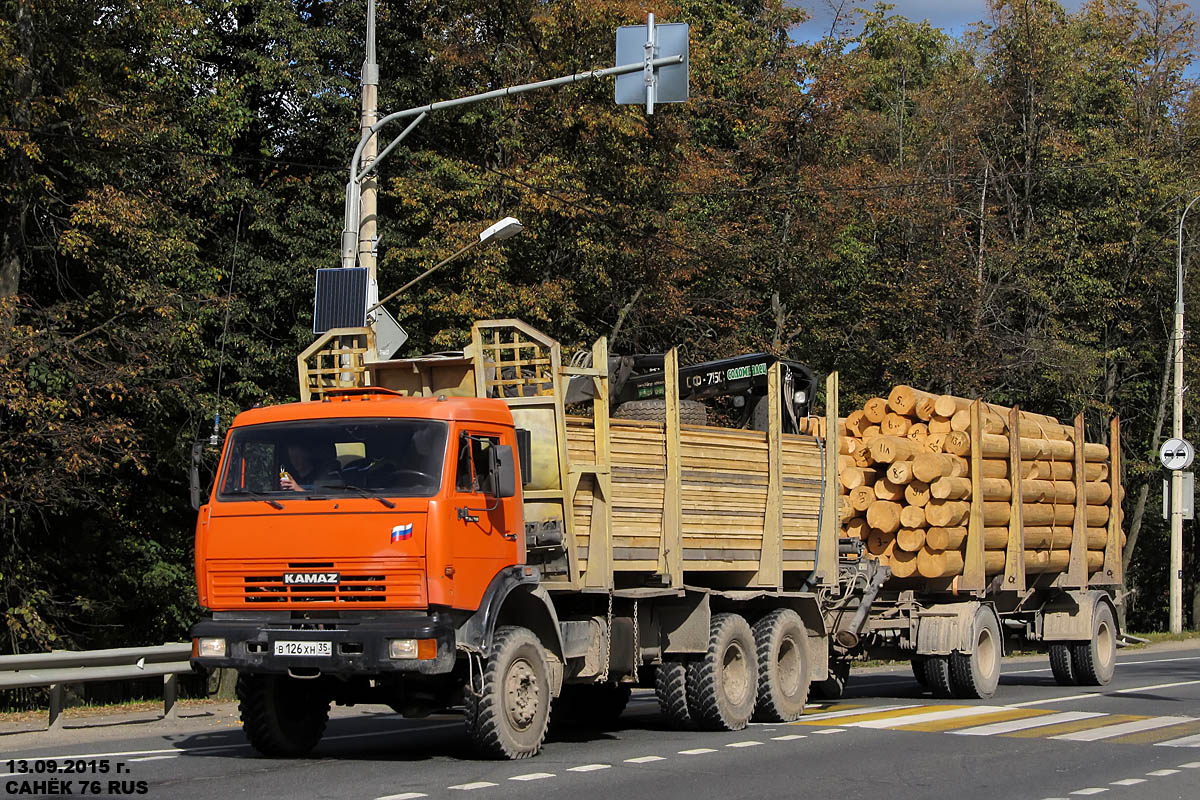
485 528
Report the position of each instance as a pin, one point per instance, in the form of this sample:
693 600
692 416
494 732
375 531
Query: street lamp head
504 229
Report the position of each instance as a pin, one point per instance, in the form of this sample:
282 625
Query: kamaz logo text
322 578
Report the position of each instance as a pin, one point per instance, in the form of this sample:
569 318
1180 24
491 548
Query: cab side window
473 461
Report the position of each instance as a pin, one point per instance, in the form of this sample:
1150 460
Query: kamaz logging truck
492 531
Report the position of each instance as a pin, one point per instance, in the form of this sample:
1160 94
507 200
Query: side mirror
194 474
501 480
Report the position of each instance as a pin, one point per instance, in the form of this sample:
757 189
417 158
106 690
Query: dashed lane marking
643 759
532 776
404 796
1129 782
1190 765
153 758
697 751
1092 790
1086 695
468 787
589 767
827 731
1162 773
748 743
791 737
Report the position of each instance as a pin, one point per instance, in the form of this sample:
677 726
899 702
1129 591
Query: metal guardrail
62 667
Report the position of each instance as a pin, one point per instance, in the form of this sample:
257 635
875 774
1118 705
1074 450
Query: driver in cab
306 464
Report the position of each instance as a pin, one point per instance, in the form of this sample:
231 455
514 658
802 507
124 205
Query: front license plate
303 648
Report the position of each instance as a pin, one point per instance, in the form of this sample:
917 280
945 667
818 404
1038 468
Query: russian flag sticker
402 532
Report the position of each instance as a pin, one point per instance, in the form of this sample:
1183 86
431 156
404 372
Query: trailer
491 535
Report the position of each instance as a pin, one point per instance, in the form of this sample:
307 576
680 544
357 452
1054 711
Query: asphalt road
1137 739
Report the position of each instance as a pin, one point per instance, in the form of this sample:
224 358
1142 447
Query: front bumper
359 643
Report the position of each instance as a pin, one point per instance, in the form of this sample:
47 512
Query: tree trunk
1139 508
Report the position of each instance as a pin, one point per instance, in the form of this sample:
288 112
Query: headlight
423 649
210 648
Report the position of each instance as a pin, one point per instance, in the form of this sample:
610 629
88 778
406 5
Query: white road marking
589 767
748 743
1162 773
532 776
696 751
1122 728
1190 765
153 758
789 738
1119 663
467 787
1186 741
1093 790
1086 695
997 728
928 716
1129 782
831 730
643 759
854 712
405 796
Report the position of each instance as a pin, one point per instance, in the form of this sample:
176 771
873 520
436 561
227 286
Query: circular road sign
1176 454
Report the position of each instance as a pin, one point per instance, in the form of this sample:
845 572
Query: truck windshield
384 457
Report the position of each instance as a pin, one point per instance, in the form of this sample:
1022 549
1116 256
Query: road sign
1176 454
1187 503
644 43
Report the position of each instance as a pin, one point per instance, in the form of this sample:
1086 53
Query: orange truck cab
358 533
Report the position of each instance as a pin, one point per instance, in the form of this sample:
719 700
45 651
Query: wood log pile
905 478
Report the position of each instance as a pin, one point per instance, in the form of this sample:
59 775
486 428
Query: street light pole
369 191
1176 582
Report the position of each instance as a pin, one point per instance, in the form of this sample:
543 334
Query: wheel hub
522 694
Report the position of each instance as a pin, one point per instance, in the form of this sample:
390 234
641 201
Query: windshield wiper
272 502
368 493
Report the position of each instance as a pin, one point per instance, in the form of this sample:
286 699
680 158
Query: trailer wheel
590 705
1095 660
508 718
918 670
670 684
977 674
937 676
1060 664
781 640
283 717
722 686
691 412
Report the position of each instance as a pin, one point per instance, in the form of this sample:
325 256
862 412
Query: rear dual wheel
723 685
781 641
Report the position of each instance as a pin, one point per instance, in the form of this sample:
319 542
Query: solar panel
341 299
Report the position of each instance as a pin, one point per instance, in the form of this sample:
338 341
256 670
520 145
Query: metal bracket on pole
648 76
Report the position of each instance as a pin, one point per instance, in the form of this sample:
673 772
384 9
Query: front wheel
283 717
507 718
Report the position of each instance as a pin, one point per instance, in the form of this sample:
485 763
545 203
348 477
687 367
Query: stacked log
908 494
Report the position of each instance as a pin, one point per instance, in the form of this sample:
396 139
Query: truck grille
371 583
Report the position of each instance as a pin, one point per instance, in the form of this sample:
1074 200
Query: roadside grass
88 710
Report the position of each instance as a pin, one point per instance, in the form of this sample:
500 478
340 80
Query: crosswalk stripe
854 712
1087 724
1186 741
948 712
1026 723
952 725
1167 734
1122 728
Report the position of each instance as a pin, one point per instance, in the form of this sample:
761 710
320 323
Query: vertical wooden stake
827 536
599 574
1014 559
770 563
671 554
1077 567
1113 567
973 576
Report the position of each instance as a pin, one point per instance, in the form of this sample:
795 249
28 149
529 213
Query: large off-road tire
1095 660
722 686
691 412
509 716
918 670
782 642
670 685
976 675
590 705
833 687
1060 664
283 717
937 676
